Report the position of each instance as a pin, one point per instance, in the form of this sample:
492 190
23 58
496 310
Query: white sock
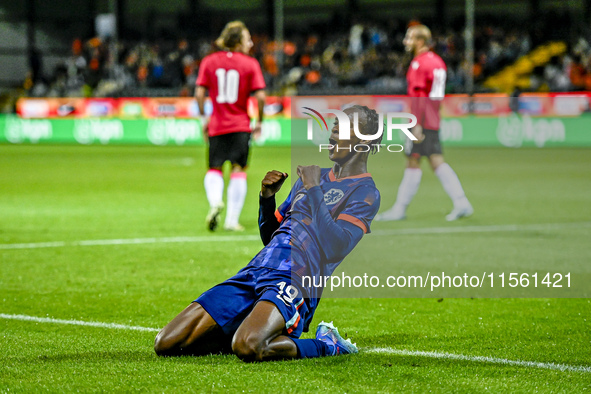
451 184
408 188
214 187
236 196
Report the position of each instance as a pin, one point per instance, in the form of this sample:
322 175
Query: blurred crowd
571 71
369 58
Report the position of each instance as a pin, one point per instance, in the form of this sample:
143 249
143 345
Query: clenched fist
272 182
310 176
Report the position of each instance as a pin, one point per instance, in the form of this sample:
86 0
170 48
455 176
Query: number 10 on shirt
228 81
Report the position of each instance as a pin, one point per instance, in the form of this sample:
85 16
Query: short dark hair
372 125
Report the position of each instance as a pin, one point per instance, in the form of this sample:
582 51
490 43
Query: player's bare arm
272 183
417 131
261 98
200 93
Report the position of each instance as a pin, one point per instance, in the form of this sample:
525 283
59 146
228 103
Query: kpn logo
368 139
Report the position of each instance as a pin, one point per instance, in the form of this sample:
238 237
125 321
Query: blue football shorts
231 301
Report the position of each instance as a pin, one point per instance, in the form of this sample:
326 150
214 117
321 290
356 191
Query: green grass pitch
67 194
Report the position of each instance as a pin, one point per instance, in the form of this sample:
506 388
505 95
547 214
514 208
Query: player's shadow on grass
132 355
128 355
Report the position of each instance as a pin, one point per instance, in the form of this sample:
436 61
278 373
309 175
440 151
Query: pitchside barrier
552 120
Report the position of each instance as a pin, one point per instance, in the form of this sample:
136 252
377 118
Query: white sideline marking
449 356
131 241
483 229
234 238
76 322
491 360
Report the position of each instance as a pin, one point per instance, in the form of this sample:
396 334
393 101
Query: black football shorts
233 147
430 145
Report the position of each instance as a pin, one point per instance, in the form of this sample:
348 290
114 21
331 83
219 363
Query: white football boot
394 213
462 211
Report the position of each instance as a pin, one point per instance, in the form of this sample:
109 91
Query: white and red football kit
230 78
426 80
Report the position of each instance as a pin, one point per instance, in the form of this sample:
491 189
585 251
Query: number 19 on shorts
287 293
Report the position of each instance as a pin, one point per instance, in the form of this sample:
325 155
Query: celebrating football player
260 313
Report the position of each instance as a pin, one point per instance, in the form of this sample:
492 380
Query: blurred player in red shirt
426 87
230 76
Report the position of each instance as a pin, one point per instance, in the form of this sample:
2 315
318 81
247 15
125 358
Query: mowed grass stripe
234 238
380 350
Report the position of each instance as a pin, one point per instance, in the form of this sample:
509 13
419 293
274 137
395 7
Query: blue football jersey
299 245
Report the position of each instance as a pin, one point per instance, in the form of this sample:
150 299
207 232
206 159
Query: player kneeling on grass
260 313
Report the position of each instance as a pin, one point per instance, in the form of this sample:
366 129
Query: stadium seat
518 74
